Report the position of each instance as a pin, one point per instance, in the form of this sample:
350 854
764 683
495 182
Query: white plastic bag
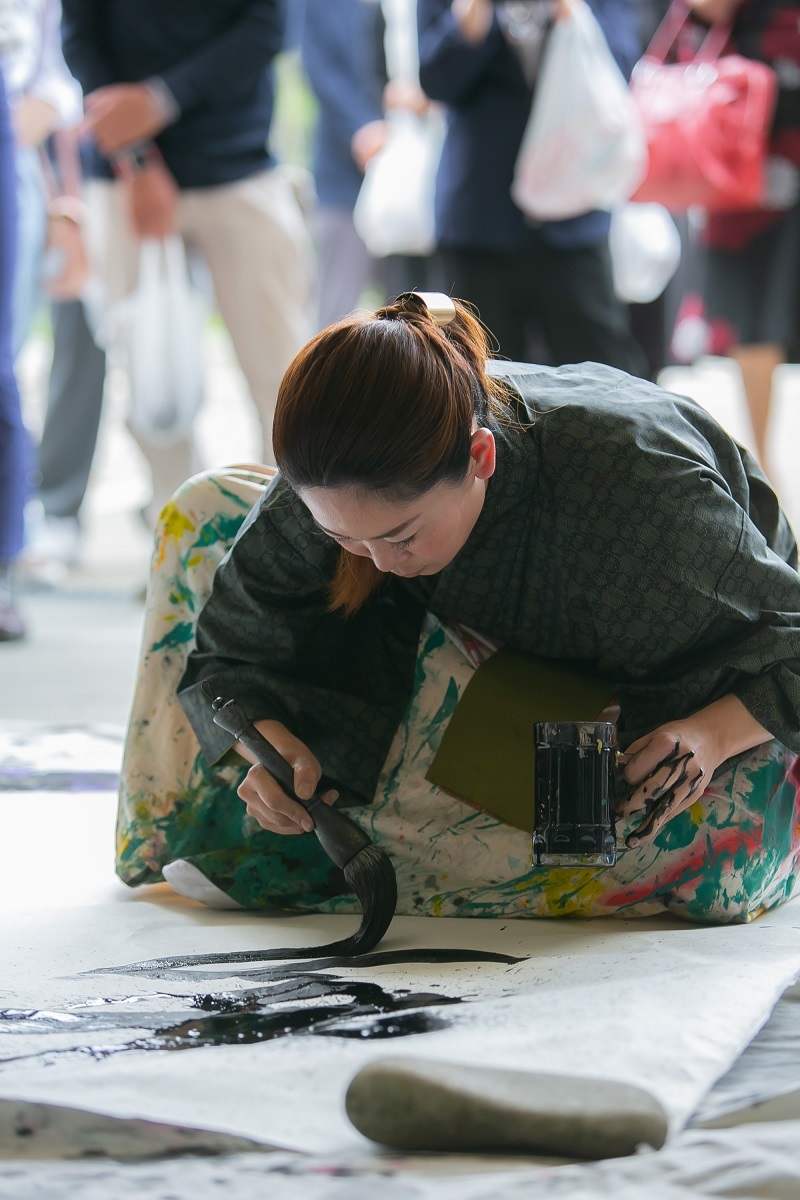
584 146
161 327
645 251
394 210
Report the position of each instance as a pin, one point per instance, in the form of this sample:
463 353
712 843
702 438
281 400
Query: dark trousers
546 304
74 405
14 445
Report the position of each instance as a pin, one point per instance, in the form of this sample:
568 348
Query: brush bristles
370 874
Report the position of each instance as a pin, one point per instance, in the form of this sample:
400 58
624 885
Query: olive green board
486 755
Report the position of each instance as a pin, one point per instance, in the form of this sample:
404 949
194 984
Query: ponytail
385 404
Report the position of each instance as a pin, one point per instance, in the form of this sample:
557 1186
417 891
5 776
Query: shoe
11 626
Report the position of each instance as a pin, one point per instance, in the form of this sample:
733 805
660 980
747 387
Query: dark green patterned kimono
623 528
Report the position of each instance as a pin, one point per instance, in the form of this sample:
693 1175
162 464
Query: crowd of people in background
125 124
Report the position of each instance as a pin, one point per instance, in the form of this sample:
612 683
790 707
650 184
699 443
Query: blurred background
343 82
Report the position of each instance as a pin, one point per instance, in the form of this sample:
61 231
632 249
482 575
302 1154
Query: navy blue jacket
213 55
488 107
340 60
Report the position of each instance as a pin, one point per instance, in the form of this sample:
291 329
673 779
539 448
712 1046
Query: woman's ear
483 453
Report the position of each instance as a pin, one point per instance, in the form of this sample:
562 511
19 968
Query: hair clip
441 308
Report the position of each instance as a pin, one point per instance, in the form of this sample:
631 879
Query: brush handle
339 837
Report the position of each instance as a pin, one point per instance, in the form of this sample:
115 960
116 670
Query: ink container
574 794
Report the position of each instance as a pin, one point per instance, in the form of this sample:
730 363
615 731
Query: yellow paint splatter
696 813
173 524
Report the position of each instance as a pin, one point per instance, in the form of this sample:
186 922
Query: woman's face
417 538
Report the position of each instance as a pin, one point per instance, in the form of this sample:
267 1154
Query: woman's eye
406 542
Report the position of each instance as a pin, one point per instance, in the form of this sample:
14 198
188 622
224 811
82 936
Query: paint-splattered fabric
731 856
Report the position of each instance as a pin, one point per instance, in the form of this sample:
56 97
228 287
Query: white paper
658 1003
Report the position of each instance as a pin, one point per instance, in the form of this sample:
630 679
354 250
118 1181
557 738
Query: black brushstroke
381 958
351 1008
357 1009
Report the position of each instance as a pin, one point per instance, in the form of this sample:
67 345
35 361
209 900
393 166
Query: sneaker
11 626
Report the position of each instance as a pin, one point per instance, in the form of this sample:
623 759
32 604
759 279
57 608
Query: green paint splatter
677 833
239 501
179 635
180 593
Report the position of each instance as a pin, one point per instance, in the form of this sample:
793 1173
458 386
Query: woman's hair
385 404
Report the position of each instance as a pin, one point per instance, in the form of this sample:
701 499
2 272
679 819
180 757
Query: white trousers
253 236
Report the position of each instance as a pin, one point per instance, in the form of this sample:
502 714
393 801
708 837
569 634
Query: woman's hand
265 799
670 767
667 770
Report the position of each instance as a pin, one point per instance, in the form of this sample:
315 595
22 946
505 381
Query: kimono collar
513 477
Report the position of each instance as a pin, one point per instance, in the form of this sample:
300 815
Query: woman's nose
384 556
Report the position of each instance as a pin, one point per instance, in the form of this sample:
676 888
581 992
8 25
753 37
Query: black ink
391 1027
285 1007
381 958
349 1008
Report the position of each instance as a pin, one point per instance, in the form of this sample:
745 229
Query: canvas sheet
754 1161
658 1003
764 1084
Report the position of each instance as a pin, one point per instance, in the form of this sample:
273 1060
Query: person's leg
345 265
752 308
161 753
72 418
31 229
174 807
255 241
67 446
490 282
13 437
757 365
582 318
738 851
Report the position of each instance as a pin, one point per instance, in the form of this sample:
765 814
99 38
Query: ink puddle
301 1000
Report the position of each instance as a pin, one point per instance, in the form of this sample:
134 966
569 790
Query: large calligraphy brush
368 870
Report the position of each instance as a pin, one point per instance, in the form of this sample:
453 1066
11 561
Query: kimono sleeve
705 599
266 638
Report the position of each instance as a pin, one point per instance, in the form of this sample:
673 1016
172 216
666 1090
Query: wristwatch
134 159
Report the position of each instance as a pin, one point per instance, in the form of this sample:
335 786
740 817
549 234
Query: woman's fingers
647 754
268 804
272 822
672 801
307 772
668 777
264 796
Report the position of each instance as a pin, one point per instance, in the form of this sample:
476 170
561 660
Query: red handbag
707 122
